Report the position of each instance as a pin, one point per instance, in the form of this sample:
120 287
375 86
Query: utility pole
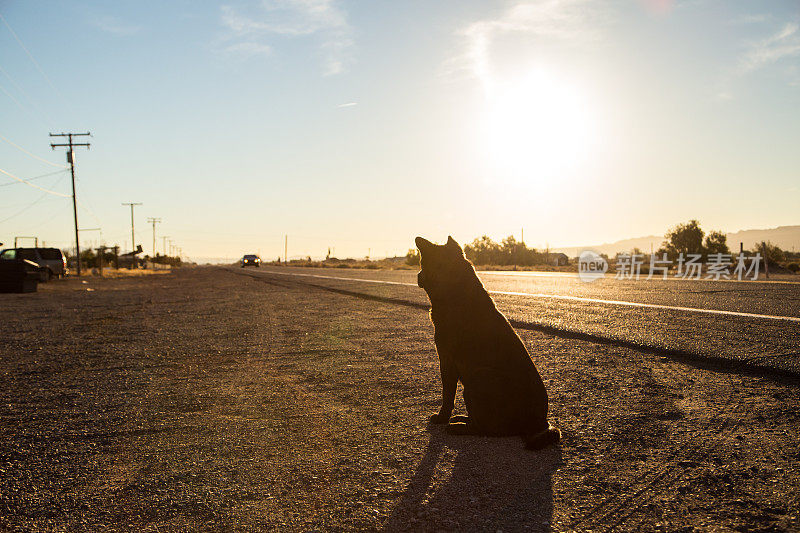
100 252
165 237
71 161
133 237
154 221
285 249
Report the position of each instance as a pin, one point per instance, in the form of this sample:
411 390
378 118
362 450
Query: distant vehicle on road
51 260
251 260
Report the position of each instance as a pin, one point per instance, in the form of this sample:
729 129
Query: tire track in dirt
657 480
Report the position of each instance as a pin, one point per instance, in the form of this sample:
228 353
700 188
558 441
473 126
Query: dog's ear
423 244
451 243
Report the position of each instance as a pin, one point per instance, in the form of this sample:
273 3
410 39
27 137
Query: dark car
251 260
19 275
51 260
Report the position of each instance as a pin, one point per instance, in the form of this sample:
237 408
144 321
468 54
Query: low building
557 259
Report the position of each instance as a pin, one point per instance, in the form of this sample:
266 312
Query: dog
503 392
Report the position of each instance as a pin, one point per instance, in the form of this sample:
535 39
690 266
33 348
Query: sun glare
538 128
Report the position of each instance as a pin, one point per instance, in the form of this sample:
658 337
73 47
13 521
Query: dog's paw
459 428
439 418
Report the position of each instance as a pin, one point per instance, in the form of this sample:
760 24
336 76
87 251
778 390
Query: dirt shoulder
203 399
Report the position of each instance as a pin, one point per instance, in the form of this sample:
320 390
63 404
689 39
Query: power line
45 221
12 97
33 60
27 97
21 149
85 205
90 212
39 199
6 184
33 184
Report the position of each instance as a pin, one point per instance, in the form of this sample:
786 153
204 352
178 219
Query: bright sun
538 128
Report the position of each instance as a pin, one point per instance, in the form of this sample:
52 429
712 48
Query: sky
357 126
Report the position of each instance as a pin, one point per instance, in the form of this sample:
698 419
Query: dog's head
443 268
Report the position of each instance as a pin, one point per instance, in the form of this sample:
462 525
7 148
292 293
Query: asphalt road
245 400
752 324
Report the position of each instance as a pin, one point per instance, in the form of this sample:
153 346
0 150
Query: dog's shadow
477 483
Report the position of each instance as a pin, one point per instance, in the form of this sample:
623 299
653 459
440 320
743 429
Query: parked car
251 260
51 260
19 275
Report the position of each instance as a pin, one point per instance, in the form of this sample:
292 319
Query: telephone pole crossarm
87 145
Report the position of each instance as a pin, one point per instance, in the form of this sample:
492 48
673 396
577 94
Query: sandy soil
205 399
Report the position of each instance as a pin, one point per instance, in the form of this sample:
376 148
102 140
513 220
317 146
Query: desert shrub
485 251
717 243
684 239
772 252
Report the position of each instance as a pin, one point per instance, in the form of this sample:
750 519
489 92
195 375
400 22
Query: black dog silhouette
503 391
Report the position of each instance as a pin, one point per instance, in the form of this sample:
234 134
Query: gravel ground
208 400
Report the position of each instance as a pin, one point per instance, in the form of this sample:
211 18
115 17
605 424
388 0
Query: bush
485 251
716 243
772 252
794 267
684 239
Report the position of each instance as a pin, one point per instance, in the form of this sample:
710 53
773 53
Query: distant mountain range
786 237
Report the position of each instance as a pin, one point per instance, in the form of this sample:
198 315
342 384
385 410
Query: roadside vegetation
511 254
91 259
490 255
689 238
389 263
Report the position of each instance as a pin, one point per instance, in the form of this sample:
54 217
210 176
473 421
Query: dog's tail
546 437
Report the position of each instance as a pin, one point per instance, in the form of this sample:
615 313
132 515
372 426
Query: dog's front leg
449 385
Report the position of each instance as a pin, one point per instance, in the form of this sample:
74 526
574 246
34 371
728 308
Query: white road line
564 297
651 306
574 275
